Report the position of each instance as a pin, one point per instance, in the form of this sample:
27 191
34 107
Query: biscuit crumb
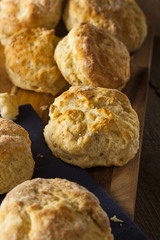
115 219
40 155
8 106
43 107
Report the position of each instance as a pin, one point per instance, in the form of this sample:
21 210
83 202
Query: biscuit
92 127
47 209
18 14
16 161
30 61
122 18
90 56
8 106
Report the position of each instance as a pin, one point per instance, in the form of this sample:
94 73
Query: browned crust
53 209
122 18
93 127
30 63
16 161
18 14
90 56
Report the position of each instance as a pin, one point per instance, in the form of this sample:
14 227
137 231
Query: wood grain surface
147 210
119 182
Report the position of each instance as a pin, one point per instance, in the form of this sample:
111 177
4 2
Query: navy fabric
51 167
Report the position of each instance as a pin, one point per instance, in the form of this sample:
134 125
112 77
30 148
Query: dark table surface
147 212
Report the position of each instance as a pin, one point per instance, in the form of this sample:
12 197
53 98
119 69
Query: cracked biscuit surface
52 209
18 14
92 57
122 18
16 160
30 61
92 127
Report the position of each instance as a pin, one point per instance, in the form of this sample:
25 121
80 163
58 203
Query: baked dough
30 61
8 105
92 127
52 209
16 161
91 56
122 18
17 14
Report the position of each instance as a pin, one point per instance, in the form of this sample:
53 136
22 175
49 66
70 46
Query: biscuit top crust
90 56
93 103
122 18
30 60
89 98
18 14
52 209
10 130
31 49
13 138
93 127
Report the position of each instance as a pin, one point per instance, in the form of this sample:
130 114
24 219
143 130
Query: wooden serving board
119 182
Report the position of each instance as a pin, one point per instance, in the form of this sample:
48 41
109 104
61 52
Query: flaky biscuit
30 61
8 105
92 127
122 18
16 161
52 209
90 56
17 14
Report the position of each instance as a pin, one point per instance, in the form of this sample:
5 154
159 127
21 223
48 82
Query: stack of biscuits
92 123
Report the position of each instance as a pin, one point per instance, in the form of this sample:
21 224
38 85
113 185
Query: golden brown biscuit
16 161
90 56
122 18
17 14
8 105
92 127
30 63
52 209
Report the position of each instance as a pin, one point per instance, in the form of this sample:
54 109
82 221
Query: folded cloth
48 166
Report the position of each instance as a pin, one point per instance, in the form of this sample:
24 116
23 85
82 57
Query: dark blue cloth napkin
51 167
